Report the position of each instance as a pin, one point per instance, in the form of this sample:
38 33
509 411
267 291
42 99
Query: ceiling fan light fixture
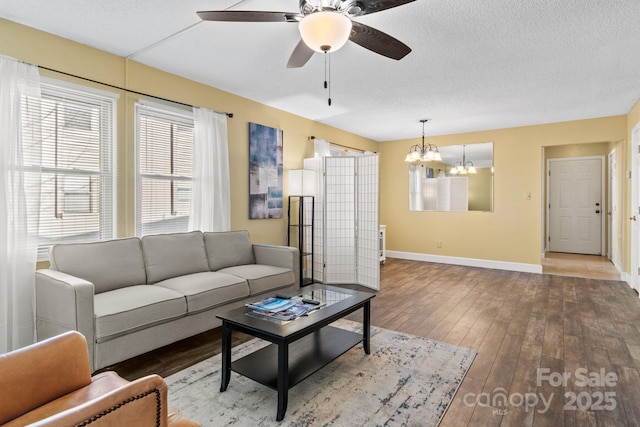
325 31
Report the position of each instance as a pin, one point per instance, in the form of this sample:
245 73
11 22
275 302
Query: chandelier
463 167
424 152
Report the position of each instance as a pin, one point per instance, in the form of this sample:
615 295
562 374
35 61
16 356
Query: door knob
598 211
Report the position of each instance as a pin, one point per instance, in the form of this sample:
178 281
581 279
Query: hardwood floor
587 266
519 323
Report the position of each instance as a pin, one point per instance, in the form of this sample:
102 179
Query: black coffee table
299 347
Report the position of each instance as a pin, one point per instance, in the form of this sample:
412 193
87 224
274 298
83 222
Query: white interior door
635 208
576 205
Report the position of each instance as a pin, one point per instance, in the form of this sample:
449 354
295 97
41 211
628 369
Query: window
164 157
77 197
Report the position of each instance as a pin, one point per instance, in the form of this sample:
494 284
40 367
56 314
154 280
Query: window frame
53 90
179 116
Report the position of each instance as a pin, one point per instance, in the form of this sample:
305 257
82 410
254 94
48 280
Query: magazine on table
272 304
282 308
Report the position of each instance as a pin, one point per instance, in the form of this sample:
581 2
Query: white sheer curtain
321 148
20 142
210 194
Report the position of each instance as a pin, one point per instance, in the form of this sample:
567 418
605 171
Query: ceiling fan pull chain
325 69
327 81
329 72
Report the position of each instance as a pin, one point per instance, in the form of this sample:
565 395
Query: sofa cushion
208 289
109 265
173 255
129 309
262 278
228 248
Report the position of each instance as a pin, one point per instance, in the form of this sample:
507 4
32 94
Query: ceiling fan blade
377 41
248 16
300 55
365 7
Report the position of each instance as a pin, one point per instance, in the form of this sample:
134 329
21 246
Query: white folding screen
443 194
340 224
317 165
452 194
346 241
368 222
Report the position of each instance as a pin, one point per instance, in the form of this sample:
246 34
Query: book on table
281 308
272 304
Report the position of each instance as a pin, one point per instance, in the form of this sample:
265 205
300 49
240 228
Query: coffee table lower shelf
306 356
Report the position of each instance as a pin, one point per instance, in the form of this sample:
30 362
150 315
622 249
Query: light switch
527 195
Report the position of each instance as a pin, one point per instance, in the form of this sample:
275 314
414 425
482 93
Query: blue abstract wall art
265 172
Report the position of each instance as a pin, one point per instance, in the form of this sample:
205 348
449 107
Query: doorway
575 190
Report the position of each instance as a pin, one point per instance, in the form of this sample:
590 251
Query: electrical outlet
439 244
527 195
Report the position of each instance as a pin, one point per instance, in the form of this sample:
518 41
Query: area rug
405 381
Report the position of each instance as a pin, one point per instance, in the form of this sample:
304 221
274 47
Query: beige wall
577 150
480 188
513 232
296 131
50 51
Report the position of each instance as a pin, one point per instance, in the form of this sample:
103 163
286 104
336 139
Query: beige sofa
129 296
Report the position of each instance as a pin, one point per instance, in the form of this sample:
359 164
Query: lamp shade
302 182
325 31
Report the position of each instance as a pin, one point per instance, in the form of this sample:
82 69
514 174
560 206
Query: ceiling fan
325 26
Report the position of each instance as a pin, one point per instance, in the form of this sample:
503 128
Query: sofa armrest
40 373
64 303
142 402
279 256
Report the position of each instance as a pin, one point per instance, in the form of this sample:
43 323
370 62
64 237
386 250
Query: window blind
77 185
164 157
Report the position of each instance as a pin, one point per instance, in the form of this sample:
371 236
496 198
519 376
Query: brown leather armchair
49 384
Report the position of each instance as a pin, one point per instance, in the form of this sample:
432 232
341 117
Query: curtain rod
230 115
339 145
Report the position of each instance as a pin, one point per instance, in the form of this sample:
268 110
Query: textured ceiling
475 64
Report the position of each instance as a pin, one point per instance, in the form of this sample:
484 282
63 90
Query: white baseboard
625 277
469 262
